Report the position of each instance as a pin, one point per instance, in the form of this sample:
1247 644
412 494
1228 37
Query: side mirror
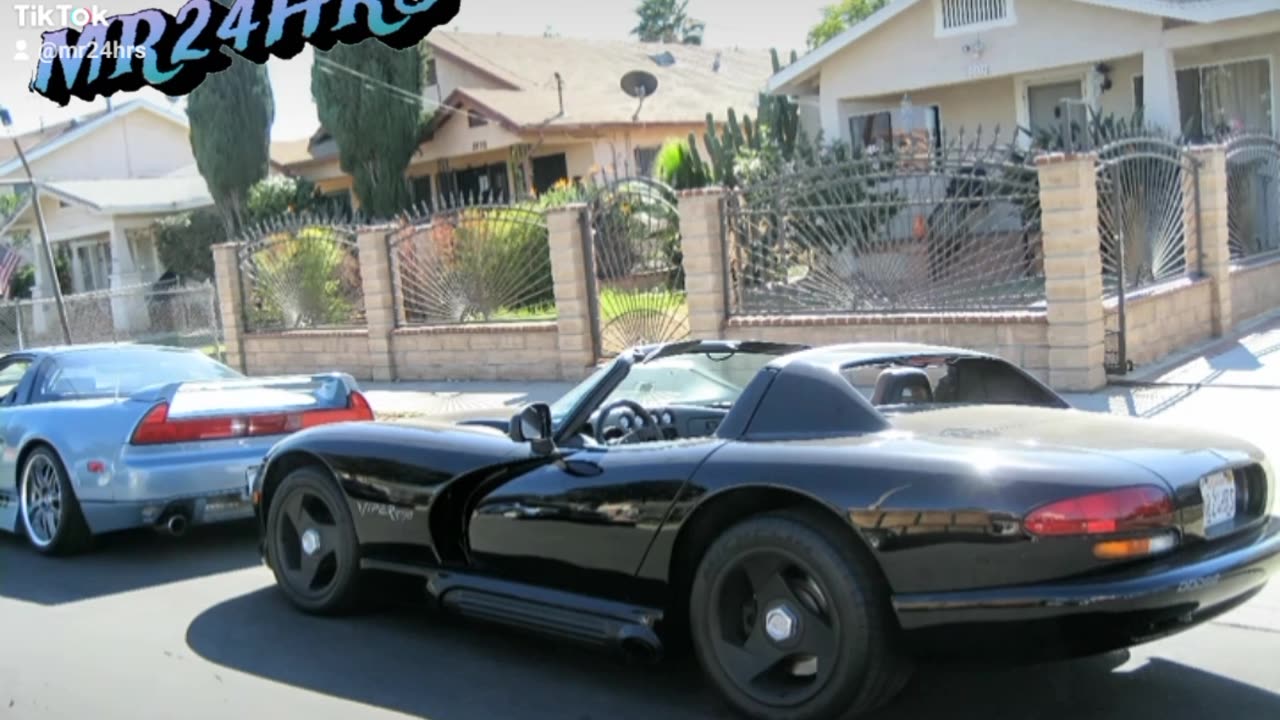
533 425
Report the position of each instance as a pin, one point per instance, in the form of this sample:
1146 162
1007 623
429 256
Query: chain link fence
176 316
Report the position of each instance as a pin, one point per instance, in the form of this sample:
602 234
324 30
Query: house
529 111
104 179
1202 66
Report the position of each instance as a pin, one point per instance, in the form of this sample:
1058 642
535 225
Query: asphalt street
149 626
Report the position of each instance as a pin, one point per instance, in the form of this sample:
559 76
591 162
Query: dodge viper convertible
109 437
809 520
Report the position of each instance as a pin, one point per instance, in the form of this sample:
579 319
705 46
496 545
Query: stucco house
1202 66
527 110
104 178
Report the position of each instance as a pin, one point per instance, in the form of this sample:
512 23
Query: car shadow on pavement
415 661
122 562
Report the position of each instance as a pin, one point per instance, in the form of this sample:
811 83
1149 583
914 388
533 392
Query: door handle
580 468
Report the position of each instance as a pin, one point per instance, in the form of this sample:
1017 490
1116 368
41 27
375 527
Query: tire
828 603
308 509
47 505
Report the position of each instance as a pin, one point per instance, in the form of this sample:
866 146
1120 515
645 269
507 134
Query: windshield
714 379
122 372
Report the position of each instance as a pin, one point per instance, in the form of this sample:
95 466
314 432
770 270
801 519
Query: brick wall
508 351
1021 338
308 351
1164 319
1255 289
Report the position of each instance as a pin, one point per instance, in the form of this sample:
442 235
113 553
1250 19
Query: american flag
10 259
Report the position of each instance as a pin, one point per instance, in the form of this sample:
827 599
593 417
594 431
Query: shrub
501 259
304 279
184 241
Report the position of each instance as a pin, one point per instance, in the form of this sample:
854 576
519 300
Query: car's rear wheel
311 543
51 514
790 621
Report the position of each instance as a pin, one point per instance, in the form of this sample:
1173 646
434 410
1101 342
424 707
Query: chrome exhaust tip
175 525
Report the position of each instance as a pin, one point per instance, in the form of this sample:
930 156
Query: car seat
900 385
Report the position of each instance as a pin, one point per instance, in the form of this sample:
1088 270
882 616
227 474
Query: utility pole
7 121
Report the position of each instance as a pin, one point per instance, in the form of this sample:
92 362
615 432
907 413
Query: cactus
777 123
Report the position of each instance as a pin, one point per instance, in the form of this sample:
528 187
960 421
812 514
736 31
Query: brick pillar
379 302
1213 250
701 227
573 306
1073 272
227 280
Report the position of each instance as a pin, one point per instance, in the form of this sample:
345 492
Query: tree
230 114
837 18
667 21
365 97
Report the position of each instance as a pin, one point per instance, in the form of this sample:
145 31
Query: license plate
250 474
1218 492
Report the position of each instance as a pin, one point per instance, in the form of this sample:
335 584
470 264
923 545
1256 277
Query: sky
742 23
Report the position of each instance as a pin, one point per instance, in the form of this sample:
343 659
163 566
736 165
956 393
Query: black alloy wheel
790 621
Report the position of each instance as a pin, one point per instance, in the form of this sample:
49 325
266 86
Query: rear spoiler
166 393
250 407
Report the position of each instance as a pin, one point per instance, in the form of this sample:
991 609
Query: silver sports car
108 437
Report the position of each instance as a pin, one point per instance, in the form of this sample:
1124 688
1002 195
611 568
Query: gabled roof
1196 11
48 142
692 80
134 196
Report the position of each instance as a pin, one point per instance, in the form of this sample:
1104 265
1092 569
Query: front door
1044 104
584 525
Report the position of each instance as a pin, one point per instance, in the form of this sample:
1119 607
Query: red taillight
1135 508
156 428
357 409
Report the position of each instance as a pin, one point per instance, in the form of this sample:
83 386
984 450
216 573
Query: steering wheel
646 432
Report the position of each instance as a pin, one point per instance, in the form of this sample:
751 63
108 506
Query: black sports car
811 519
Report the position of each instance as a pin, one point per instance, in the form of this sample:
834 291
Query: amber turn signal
1134 547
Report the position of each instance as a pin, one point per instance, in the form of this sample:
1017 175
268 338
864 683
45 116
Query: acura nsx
98 438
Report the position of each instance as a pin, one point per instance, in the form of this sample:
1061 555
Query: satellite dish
639 84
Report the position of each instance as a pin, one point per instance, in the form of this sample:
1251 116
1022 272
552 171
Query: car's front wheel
311 543
789 621
50 512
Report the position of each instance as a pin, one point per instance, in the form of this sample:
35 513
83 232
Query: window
1221 99
11 374
475 119
959 16
645 158
431 71
85 374
420 190
878 128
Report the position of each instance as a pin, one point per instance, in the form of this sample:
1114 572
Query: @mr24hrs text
179 51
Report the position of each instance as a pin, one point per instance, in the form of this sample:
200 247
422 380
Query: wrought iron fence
1146 187
302 274
635 264
1253 197
177 316
483 263
955 227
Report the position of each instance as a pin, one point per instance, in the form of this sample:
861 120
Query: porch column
829 115
128 311
1160 91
